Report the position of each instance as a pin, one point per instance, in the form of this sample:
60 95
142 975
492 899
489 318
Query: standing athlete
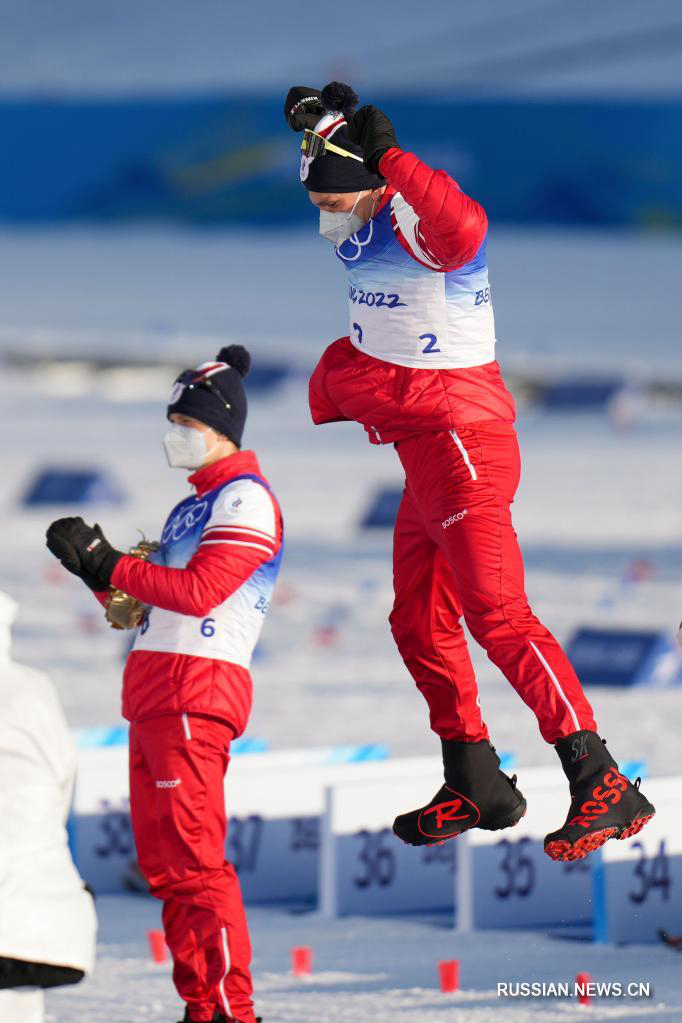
418 371
187 689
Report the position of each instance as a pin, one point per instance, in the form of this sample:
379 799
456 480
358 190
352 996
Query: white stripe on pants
226 960
464 453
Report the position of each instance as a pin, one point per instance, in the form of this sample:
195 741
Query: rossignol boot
604 803
476 794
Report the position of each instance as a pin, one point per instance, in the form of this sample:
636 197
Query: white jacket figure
46 915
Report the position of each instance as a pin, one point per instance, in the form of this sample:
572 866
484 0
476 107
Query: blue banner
233 161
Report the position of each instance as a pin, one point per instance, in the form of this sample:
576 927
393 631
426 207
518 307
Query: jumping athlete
418 371
187 689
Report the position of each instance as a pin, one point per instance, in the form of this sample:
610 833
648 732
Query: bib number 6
208 627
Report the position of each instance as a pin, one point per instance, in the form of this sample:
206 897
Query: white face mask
336 227
185 447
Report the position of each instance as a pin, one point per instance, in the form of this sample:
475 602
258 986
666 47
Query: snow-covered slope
373 970
591 500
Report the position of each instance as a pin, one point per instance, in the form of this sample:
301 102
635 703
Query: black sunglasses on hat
190 380
314 144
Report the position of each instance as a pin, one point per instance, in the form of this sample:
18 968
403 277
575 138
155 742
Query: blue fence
233 161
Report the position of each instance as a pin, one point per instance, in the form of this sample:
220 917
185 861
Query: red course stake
157 946
449 975
582 980
302 961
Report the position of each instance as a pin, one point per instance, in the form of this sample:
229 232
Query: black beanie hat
214 393
330 172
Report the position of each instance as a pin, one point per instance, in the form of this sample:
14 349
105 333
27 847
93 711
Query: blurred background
150 212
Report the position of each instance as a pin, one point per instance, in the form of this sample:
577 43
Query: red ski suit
186 704
455 550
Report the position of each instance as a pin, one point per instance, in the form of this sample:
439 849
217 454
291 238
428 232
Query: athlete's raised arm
451 226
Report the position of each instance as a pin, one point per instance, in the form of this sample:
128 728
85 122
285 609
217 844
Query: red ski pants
456 555
177 769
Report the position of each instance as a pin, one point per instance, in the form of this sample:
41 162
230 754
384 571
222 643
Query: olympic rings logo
184 522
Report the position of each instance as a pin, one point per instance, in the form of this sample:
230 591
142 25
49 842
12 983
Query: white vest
403 308
240 512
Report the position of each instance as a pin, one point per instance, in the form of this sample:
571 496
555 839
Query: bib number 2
430 348
431 343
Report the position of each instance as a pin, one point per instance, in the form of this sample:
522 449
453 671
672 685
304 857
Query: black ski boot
604 804
476 794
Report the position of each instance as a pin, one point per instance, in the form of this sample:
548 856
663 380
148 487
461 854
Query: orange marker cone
302 961
448 971
157 946
582 980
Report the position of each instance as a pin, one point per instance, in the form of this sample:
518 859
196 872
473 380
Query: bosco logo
457 517
185 521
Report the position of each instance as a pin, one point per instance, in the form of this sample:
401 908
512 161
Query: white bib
403 309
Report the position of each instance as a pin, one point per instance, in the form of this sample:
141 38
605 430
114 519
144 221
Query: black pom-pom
337 96
237 357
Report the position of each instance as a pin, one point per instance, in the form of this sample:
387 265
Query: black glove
84 551
303 107
64 550
371 129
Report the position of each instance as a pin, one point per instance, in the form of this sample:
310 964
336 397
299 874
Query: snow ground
583 514
363 971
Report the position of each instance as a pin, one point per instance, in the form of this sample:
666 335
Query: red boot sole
635 827
566 852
